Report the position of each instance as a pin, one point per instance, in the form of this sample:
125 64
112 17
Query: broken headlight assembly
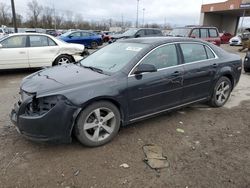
40 106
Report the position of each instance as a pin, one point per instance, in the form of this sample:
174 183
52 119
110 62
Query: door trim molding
168 109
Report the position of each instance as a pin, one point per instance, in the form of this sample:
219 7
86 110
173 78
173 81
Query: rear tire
63 59
94 45
221 92
97 124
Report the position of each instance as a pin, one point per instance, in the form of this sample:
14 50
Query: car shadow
18 71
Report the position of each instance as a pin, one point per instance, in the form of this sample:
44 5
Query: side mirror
137 35
193 36
145 68
70 36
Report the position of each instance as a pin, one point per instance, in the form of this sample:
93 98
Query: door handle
215 65
21 52
176 73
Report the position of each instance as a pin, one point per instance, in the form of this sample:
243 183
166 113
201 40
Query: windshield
180 32
130 32
113 57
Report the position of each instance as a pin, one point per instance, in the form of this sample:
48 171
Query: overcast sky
175 12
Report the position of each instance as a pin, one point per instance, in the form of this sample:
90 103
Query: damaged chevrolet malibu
122 83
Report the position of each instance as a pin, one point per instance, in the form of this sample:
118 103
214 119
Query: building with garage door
226 15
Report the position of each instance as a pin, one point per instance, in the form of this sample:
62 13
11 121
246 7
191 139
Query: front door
13 53
150 93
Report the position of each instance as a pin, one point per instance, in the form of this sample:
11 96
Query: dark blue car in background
88 39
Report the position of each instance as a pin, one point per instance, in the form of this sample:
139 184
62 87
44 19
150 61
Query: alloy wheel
99 124
222 92
63 60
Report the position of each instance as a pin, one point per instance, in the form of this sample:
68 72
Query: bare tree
34 12
59 19
47 17
5 16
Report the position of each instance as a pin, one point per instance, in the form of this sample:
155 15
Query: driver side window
14 42
162 57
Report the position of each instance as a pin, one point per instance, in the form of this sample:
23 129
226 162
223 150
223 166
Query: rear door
42 51
14 53
199 70
86 38
152 92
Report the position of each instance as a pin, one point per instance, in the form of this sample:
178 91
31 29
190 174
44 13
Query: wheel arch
98 99
230 77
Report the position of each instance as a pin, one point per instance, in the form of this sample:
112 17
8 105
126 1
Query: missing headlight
40 106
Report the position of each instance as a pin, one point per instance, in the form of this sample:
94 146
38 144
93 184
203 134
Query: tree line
46 17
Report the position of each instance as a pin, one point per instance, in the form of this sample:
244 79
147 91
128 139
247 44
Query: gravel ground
213 151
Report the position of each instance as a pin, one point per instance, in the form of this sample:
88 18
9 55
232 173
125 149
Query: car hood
60 78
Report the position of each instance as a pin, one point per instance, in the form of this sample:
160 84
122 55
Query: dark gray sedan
122 83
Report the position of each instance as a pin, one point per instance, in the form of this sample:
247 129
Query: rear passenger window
51 42
162 57
204 33
210 54
38 41
156 32
193 52
213 33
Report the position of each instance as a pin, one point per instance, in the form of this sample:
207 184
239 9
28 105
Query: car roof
194 27
30 33
160 40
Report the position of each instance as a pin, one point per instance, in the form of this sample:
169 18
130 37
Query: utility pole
14 15
54 15
137 12
165 23
143 16
122 21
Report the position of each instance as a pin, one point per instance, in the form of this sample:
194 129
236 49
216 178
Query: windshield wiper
93 69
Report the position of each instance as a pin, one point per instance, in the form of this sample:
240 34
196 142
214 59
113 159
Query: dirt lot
213 151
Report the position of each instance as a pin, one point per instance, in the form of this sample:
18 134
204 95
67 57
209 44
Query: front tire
221 92
97 124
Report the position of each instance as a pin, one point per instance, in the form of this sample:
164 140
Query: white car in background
30 50
3 32
235 41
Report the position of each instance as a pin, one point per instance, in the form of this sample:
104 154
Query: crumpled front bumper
53 126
